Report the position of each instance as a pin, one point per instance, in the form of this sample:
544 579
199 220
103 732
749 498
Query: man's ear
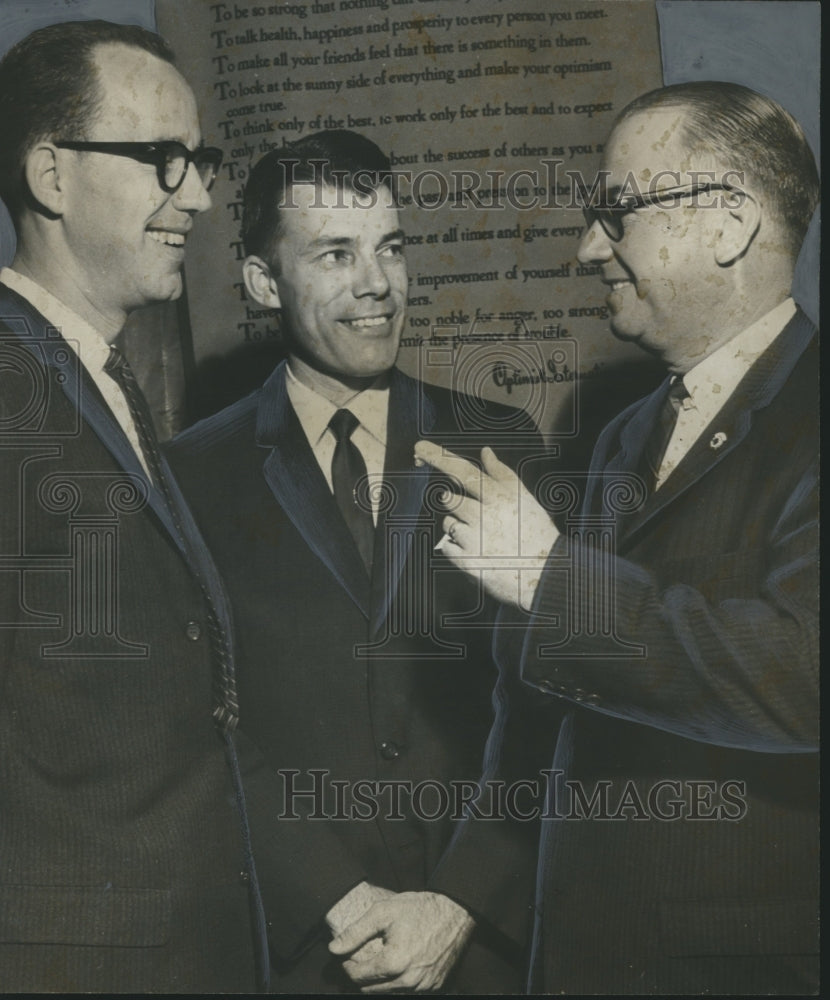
43 176
260 283
742 219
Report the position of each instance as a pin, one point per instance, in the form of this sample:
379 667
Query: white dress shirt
711 382
370 407
86 342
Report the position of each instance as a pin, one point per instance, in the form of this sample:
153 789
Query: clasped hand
423 933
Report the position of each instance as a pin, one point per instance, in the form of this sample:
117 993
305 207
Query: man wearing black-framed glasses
170 158
675 619
125 865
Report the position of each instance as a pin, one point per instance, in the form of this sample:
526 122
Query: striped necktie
226 712
661 433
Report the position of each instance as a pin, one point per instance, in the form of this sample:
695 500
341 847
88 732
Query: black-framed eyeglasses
610 215
170 158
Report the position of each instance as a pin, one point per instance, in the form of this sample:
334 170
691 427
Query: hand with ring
498 529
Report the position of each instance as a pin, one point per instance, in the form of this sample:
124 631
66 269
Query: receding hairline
140 55
730 127
99 88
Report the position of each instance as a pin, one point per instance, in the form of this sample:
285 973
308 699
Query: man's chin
356 374
622 331
368 373
167 291
371 364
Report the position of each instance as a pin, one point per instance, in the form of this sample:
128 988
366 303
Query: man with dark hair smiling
359 673
123 861
684 644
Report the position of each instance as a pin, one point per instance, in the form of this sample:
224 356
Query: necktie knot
677 394
661 434
343 424
116 364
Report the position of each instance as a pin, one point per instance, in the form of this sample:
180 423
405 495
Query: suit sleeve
490 864
736 666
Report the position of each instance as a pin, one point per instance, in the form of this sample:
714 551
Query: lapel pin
718 440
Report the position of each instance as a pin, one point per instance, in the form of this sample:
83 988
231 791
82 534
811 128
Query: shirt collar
90 345
371 407
711 382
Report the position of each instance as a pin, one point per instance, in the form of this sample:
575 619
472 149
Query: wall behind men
771 46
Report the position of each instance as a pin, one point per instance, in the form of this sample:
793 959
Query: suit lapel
624 441
294 477
48 345
411 415
729 428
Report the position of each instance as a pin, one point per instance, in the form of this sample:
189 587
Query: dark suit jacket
343 679
122 861
707 884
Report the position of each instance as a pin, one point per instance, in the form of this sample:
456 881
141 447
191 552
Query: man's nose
370 277
595 246
192 195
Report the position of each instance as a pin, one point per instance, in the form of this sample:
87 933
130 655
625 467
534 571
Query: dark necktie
347 469
117 367
658 439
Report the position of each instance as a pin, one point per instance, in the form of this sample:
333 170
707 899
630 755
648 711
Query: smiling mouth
365 322
167 238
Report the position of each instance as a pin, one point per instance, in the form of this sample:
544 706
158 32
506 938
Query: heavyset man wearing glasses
123 864
682 644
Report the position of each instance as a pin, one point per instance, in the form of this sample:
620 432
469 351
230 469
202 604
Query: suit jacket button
193 631
244 878
389 750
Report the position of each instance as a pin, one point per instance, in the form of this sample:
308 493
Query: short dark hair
750 132
339 158
49 84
